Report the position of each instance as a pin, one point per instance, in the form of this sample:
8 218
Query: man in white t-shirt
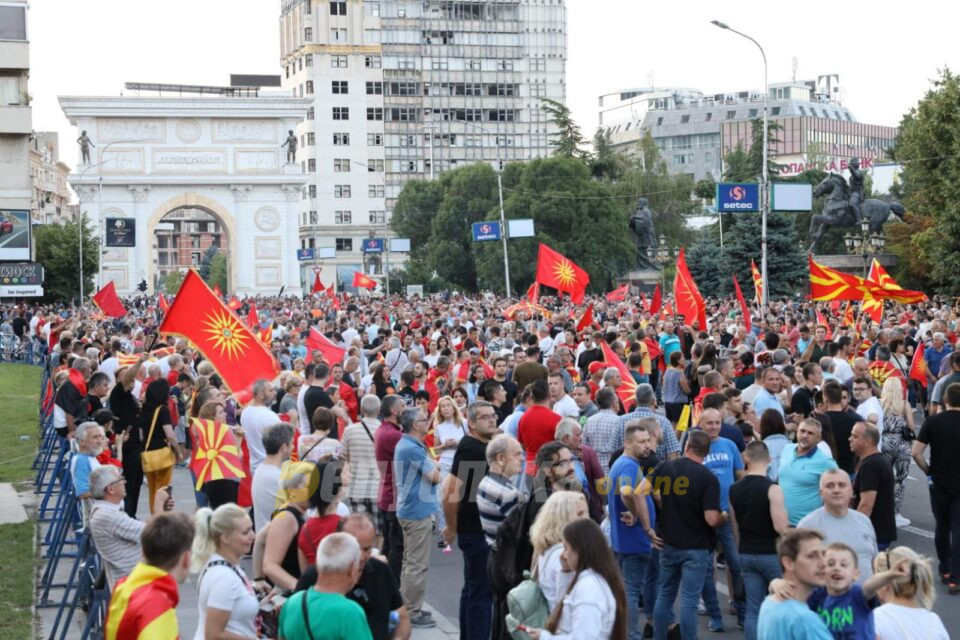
277 445
868 407
303 420
255 418
563 404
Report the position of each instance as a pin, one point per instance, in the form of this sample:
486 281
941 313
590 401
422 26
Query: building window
407 64
309 59
659 121
709 116
338 35
404 114
344 244
374 113
312 190
342 217
775 111
374 165
374 88
308 34
408 166
374 139
372 62
375 191
300 60
378 217
440 64
407 141
339 87
684 119
341 191
501 115
310 113
752 113
504 65
473 65
308 7
338 8
404 88
311 165
731 115
338 62
504 141
311 139
341 113
341 164
502 89
313 217
341 139
13 22
309 87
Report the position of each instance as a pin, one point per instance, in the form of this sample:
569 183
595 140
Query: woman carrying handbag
160 447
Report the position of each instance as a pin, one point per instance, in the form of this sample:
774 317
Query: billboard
304 254
121 232
485 231
21 280
14 234
520 228
400 245
738 196
791 197
373 245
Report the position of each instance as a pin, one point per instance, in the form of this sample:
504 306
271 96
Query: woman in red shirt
334 478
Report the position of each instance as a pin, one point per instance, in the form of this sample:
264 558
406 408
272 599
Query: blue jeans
710 600
683 571
633 567
946 514
758 571
650 584
476 599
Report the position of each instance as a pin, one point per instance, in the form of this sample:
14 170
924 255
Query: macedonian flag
216 455
557 271
628 388
198 315
830 284
757 282
874 308
687 296
143 606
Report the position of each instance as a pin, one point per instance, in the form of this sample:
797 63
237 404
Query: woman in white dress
546 536
227 601
594 606
906 610
449 427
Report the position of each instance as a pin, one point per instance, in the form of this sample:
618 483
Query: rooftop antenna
794 65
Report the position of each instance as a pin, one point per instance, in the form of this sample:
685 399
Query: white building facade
16 128
405 90
158 157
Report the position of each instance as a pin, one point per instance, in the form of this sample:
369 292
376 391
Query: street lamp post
765 186
101 230
662 255
865 244
503 220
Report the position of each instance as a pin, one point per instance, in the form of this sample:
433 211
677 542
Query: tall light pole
503 221
101 230
764 183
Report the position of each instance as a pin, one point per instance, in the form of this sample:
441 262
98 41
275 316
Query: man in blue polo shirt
416 477
669 341
801 465
625 506
725 463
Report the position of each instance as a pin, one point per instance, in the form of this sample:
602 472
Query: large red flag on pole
557 271
164 305
657 300
744 309
688 299
586 319
198 315
108 301
533 292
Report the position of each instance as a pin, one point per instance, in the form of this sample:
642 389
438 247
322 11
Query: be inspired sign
738 196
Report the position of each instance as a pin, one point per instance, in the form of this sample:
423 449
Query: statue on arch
291 144
85 143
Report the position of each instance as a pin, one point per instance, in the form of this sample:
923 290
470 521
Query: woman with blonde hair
226 600
906 612
546 536
280 562
897 436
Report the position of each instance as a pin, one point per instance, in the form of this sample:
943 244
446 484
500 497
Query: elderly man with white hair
586 464
90 443
324 611
117 535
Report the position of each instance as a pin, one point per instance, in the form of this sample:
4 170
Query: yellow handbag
157 459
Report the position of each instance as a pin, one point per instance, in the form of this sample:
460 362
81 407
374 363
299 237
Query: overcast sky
886 54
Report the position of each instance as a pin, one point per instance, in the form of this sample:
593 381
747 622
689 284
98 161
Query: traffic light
142 286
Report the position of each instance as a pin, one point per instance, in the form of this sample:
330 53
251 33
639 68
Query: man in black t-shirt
842 424
802 401
317 396
873 483
689 511
376 591
463 519
941 432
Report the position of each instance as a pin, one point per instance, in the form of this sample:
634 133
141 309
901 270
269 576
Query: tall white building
16 128
405 90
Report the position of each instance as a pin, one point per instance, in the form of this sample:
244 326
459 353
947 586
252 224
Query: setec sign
486 231
738 196
373 245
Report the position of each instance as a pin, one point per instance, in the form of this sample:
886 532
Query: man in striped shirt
668 447
496 494
601 429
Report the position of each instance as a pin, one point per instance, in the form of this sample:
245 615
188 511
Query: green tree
706 262
203 269
786 260
172 281
568 140
926 146
705 189
742 165
218 271
58 250
606 161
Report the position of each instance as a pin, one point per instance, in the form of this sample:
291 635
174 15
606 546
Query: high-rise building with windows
16 128
406 90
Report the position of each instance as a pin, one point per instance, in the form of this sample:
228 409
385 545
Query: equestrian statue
845 205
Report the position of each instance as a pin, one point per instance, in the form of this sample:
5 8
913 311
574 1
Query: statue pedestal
642 279
290 169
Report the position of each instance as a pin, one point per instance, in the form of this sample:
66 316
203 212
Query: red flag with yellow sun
557 271
216 455
198 315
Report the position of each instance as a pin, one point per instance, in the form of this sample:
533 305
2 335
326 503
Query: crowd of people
597 483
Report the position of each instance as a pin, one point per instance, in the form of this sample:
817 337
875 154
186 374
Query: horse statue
837 211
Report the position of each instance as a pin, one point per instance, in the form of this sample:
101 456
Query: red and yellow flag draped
757 282
198 315
830 284
628 388
216 455
143 606
688 299
874 308
557 271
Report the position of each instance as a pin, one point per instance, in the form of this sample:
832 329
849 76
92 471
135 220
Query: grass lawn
19 406
19 398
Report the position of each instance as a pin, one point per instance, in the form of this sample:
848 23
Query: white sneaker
901 521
